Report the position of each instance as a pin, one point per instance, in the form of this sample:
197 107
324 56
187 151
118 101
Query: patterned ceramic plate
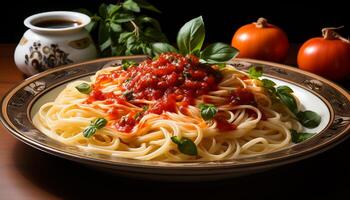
316 93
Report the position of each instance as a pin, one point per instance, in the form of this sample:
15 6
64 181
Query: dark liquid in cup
57 24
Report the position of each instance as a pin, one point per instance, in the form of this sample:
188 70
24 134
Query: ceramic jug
53 39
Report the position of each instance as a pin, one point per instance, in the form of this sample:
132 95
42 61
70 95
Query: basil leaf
131 5
218 53
96 124
147 6
155 35
176 140
268 83
131 42
255 72
299 137
104 36
128 63
89 131
160 47
309 119
122 17
100 123
112 9
124 36
284 89
91 26
84 88
102 10
191 36
116 27
147 50
185 146
208 111
284 93
188 147
288 100
107 44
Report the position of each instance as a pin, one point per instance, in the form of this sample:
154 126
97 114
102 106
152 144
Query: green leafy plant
121 29
190 40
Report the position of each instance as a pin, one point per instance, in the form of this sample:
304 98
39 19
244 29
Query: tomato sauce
171 73
223 125
173 81
125 124
242 96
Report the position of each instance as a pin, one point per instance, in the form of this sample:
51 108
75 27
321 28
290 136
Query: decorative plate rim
214 165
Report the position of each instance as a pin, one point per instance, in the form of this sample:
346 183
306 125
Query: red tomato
328 56
262 41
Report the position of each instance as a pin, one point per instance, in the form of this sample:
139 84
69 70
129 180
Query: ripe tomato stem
261 23
330 34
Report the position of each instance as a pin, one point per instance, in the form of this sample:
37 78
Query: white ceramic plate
317 94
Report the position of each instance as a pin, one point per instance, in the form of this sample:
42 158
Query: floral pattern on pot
46 57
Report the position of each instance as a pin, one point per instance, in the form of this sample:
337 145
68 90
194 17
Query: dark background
301 20
324 176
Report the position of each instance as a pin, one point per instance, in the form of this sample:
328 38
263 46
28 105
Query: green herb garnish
299 137
190 40
100 123
208 111
84 88
191 36
255 72
284 95
128 63
122 30
185 146
131 5
89 131
92 128
218 53
309 118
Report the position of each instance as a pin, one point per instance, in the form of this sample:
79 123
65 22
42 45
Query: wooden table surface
26 173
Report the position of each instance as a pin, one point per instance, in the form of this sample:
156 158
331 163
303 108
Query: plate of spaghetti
173 116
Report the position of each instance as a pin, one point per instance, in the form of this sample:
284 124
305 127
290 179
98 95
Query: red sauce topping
172 80
242 97
125 124
171 74
223 124
168 103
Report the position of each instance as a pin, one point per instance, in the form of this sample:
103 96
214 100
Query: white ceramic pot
43 47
